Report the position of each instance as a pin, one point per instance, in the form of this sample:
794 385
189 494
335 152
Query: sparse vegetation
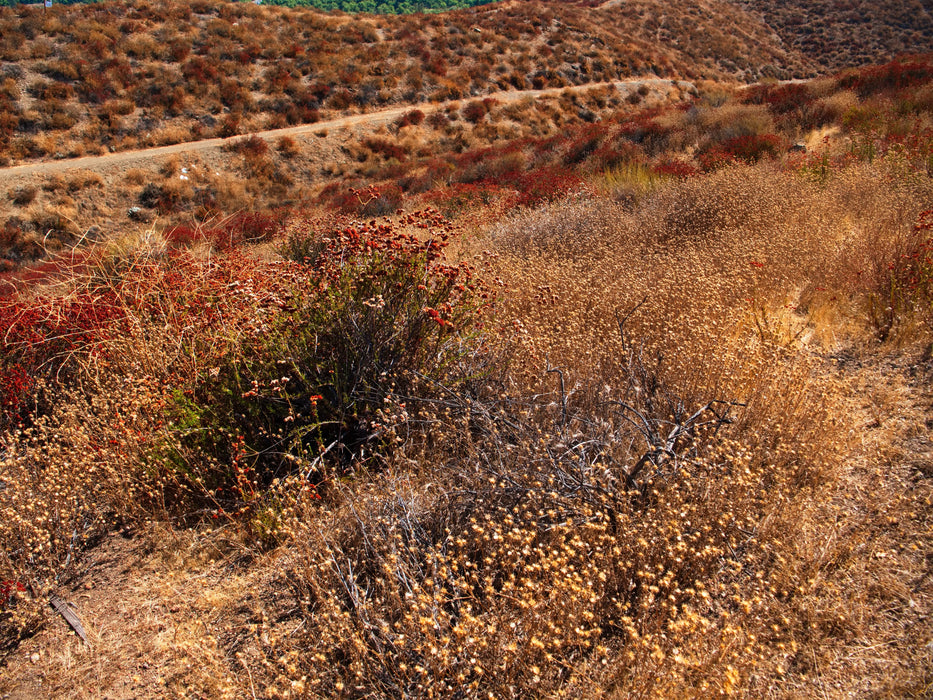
576 479
83 78
585 396
851 33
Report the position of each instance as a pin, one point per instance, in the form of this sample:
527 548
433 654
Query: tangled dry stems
567 509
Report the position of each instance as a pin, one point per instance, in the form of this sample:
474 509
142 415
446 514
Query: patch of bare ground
167 614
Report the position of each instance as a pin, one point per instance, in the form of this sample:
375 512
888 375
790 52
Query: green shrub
368 318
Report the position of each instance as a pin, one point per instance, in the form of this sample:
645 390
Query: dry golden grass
531 532
684 454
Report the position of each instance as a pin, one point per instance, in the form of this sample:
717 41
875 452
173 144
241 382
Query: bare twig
622 321
563 395
61 607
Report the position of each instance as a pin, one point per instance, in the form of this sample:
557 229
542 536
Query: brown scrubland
84 79
605 394
847 33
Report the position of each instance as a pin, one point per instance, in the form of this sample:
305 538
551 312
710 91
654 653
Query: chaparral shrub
367 313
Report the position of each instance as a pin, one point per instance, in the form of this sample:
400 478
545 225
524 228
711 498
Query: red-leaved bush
359 314
43 336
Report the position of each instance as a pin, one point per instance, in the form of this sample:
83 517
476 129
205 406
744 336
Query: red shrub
436 65
287 146
609 156
235 96
230 125
182 236
675 168
250 227
200 71
545 184
252 146
646 132
244 227
341 99
887 78
380 201
780 99
714 159
475 111
386 148
43 335
320 91
753 147
15 387
412 118
438 120
585 143
749 148
460 197
343 197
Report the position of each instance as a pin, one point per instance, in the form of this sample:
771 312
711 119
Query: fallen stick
61 607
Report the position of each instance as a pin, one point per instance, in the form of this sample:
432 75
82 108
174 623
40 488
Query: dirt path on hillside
128 158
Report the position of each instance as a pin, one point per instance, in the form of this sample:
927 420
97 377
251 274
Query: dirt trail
127 158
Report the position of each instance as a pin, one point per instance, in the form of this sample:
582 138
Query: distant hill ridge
90 77
383 7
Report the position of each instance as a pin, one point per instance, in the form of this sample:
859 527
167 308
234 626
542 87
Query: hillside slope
844 33
602 394
90 78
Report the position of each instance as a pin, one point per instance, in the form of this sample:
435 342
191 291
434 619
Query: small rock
139 214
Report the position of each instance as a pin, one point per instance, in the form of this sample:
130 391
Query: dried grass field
579 397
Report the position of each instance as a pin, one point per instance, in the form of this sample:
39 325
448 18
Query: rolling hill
839 34
87 78
538 354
